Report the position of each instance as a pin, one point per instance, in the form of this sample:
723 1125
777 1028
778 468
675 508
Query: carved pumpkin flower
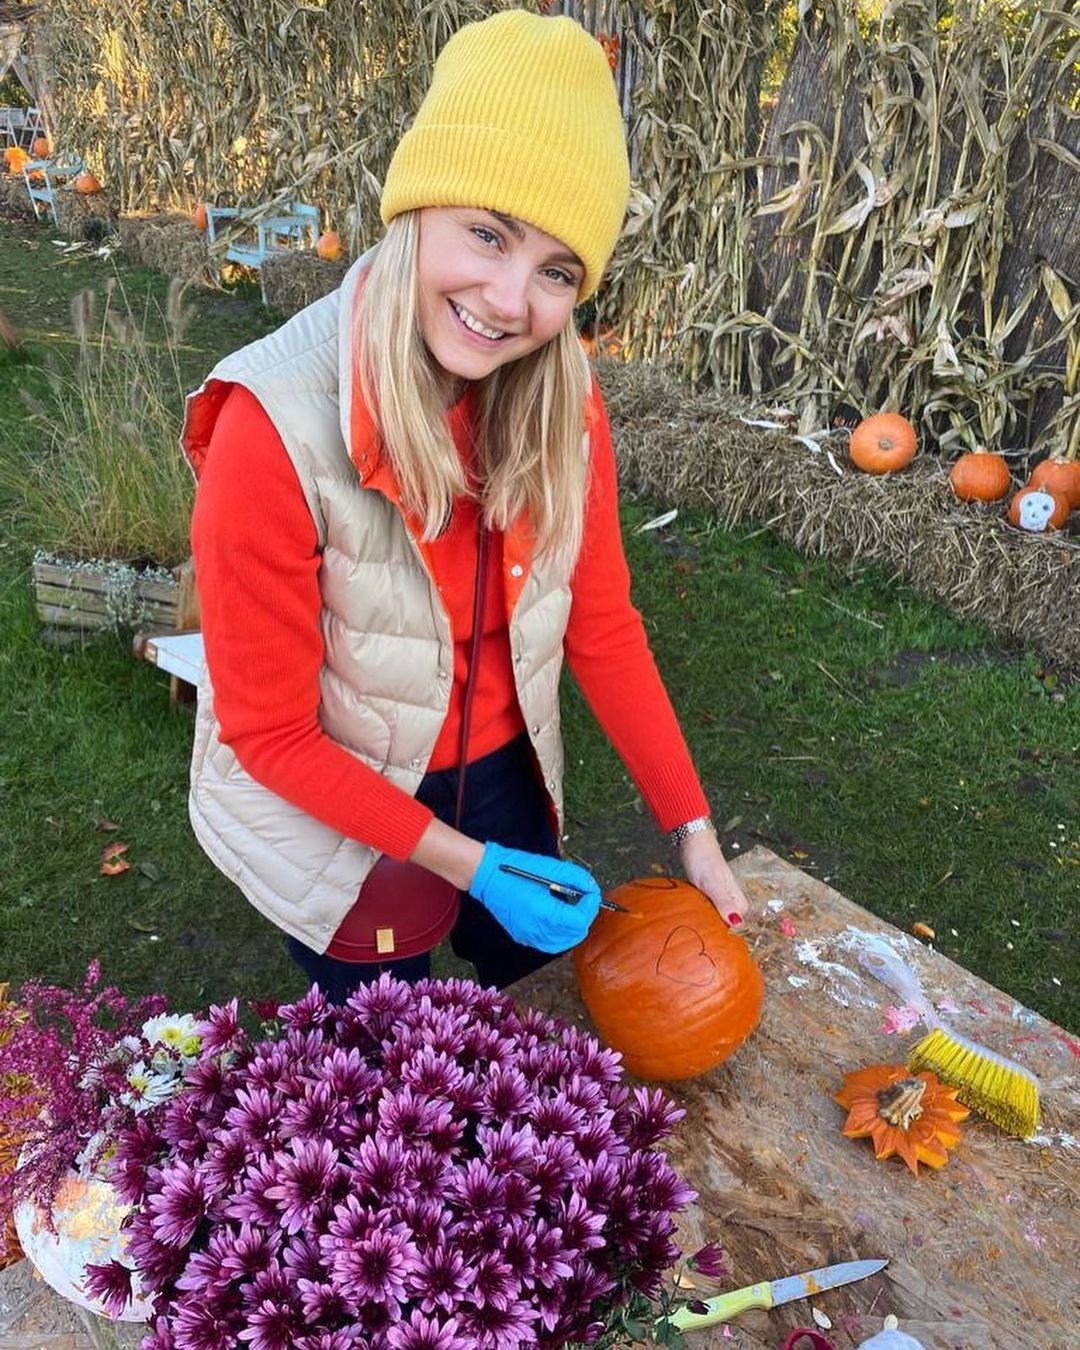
911 1114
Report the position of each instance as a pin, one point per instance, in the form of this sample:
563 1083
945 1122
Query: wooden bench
178 652
43 177
982 1254
251 237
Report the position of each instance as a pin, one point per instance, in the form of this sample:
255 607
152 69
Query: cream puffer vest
385 684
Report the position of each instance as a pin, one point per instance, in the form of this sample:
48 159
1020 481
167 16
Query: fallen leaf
923 930
787 928
101 823
141 927
113 869
821 1319
113 850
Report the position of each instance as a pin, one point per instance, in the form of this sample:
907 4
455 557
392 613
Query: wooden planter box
89 597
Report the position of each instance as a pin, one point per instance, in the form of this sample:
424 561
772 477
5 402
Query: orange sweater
257 560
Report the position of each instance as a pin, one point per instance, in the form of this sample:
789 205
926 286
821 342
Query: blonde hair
530 451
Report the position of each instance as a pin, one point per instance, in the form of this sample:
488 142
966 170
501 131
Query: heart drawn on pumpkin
695 969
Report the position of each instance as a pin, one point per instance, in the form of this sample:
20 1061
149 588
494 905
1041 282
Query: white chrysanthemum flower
148 1089
176 1031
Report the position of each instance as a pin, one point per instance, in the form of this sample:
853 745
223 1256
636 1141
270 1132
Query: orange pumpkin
980 476
86 183
41 147
668 985
905 1113
1059 475
883 443
329 246
199 216
14 159
1038 510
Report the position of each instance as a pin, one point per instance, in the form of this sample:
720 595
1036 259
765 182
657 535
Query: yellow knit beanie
521 118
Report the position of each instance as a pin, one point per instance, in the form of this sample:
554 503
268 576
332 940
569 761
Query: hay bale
169 243
687 449
298 278
15 201
74 210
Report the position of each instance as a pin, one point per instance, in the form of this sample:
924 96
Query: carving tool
1000 1089
772 1293
569 895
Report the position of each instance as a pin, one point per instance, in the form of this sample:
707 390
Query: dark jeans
504 802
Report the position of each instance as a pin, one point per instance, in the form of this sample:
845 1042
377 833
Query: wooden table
985 1253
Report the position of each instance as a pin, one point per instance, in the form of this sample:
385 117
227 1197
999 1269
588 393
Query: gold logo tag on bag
384 941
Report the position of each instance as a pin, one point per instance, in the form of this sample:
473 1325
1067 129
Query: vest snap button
536 731
516 570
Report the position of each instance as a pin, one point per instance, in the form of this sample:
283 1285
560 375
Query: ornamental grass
104 477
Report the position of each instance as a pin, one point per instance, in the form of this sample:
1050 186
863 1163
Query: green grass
834 716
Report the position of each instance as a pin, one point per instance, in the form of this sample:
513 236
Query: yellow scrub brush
996 1087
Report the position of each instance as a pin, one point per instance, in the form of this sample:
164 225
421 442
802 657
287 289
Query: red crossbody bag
403 909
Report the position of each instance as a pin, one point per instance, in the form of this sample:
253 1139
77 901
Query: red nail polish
734 919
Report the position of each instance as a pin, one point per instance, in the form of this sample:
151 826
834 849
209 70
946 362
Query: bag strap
479 596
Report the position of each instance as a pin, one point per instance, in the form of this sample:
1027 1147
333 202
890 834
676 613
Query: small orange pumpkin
669 985
905 1113
329 246
980 476
1060 475
199 216
87 184
883 443
41 147
1038 510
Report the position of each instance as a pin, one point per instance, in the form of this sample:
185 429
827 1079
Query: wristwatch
681 832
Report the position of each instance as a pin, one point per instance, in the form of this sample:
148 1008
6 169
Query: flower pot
87 1216
95 595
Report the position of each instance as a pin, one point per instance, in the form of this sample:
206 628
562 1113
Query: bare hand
707 869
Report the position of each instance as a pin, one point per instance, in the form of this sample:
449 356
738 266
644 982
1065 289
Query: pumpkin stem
901 1102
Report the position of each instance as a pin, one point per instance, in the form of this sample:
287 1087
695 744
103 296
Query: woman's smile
474 326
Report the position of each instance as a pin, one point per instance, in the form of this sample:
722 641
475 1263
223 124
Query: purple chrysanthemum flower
111 1284
426 1333
251 1202
221 1029
196 1326
345 1338
441 1278
711 1261
175 1211
308 1177
226 1157
375 1268
499 1328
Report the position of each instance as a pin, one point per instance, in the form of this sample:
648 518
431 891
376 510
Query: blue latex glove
526 909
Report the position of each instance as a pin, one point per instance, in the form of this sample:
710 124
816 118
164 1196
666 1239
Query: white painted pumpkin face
1036 508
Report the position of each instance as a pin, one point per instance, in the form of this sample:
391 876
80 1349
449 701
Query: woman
423 448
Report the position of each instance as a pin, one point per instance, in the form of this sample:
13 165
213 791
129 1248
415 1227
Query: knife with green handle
771 1293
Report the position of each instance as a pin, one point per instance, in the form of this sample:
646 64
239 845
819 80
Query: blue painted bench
257 237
